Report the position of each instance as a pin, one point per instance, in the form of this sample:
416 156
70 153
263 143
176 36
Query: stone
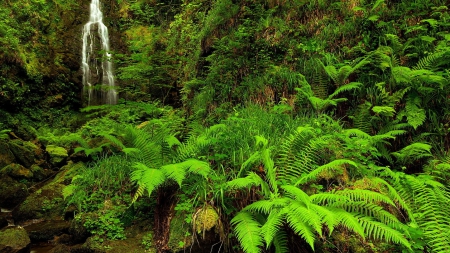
17 172
45 203
39 173
14 240
25 152
47 230
6 156
12 192
58 155
3 222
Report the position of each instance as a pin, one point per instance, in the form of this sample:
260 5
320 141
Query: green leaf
247 230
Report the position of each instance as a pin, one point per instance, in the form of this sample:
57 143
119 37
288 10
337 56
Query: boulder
11 192
6 156
14 240
39 173
17 172
45 203
25 152
47 230
58 155
3 222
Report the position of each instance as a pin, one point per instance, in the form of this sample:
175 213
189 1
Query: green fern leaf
247 231
314 175
301 228
146 177
272 226
380 231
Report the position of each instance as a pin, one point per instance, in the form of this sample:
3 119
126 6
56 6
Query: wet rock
17 171
39 173
6 156
78 231
14 240
58 155
45 203
11 192
3 222
61 248
25 152
47 230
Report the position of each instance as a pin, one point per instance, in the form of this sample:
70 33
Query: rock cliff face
41 54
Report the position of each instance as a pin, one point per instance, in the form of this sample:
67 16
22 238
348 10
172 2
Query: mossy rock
25 152
58 155
11 192
14 240
46 203
39 173
6 156
47 230
17 171
180 234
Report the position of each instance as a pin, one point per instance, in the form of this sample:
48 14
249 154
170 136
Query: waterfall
97 71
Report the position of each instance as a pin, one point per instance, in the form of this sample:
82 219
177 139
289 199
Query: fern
415 115
4 134
413 152
429 206
248 232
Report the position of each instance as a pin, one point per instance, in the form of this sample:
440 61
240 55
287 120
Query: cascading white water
94 73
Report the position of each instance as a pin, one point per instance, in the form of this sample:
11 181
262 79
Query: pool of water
41 247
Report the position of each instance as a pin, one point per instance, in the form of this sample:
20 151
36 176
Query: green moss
17 171
179 235
14 237
57 154
205 219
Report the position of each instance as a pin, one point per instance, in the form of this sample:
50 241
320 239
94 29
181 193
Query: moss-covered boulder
17 172
26 153
6 156
14 240
58 155
40 173
180 234
46 203
11 192
47 230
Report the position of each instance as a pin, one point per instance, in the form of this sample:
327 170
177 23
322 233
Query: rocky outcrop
6 156
26 153
17 171
14 240
12 192
46 203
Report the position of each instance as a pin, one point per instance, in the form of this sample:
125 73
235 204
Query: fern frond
266 206
306 215
413 152
334 165
272 226
380 231
280 242
113 140
349 220
247 230
365 195
301 228
146 177
344 88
